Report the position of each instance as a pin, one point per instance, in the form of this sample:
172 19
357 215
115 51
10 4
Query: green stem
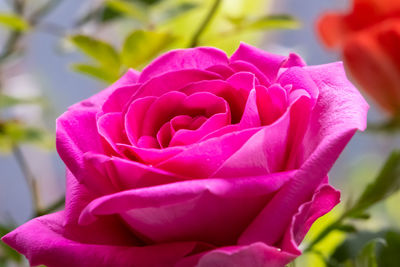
28 175
195 39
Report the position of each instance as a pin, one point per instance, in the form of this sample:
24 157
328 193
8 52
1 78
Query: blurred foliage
386 184
13 22
158 26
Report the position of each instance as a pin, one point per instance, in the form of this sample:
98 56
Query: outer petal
77 130
324 199
254 255
267 63
45 240
339 112
199 58
211 210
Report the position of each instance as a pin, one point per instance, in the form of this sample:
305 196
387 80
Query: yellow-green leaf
126 8
96 72
13 22
101 51
274 22
141 46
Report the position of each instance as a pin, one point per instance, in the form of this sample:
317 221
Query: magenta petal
271 102
194 58
235 97
254 255
174 81
324 199
118 100
202 159
111 128
267 63
213 210
291 77
187 137
161 111
243 80
126 174
266 151
250 117
46 240
244 66
77 134
341 107
223 70
151 156
135 116
293 60
77 130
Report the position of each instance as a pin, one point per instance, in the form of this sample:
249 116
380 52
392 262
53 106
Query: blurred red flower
369 39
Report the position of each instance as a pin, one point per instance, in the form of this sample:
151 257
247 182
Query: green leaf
367 256
102 52
13 22
386 184
127 8
96 72
141 46
273 22
390 255
352 246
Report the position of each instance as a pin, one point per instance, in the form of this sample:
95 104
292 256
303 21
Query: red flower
369 39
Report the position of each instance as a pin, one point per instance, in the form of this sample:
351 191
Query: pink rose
199 160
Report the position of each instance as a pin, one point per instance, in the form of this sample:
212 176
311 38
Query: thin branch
28 175
195 39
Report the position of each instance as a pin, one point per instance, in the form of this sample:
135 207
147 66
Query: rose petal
271 103
46 240
213 210
267 63
298 78
200 160
174 81
324 199
266 151
193 58
76 128
342 108
255 255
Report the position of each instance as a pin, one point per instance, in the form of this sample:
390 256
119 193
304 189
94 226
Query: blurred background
50 67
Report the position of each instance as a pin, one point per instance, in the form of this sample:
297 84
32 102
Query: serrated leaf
273 22
127 8
141 46
96 72
14 22
102 52
386 183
